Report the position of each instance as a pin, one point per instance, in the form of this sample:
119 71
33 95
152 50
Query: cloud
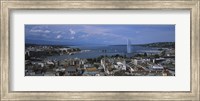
84 36
72 38
58 36
100 32
44 35
41 27
57 32
39 31
35 30
95 30
72 32
46 31
137 32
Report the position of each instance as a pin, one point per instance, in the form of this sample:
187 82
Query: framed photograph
100 50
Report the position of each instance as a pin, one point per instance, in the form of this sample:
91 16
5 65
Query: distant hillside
160 44
27 45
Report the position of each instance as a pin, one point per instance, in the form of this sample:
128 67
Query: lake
96 51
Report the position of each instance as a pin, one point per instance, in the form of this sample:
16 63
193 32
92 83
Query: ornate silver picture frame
8 5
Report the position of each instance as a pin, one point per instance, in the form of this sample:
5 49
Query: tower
128 46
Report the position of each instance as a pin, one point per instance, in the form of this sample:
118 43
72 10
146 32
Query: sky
98 34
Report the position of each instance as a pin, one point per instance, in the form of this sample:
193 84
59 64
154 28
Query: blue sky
98 34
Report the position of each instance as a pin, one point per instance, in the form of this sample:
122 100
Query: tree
119 73
78 49
156 56
145 54
138 55
163 53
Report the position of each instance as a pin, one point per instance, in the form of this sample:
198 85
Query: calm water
96 51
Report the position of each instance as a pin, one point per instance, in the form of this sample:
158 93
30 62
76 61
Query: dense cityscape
160 62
